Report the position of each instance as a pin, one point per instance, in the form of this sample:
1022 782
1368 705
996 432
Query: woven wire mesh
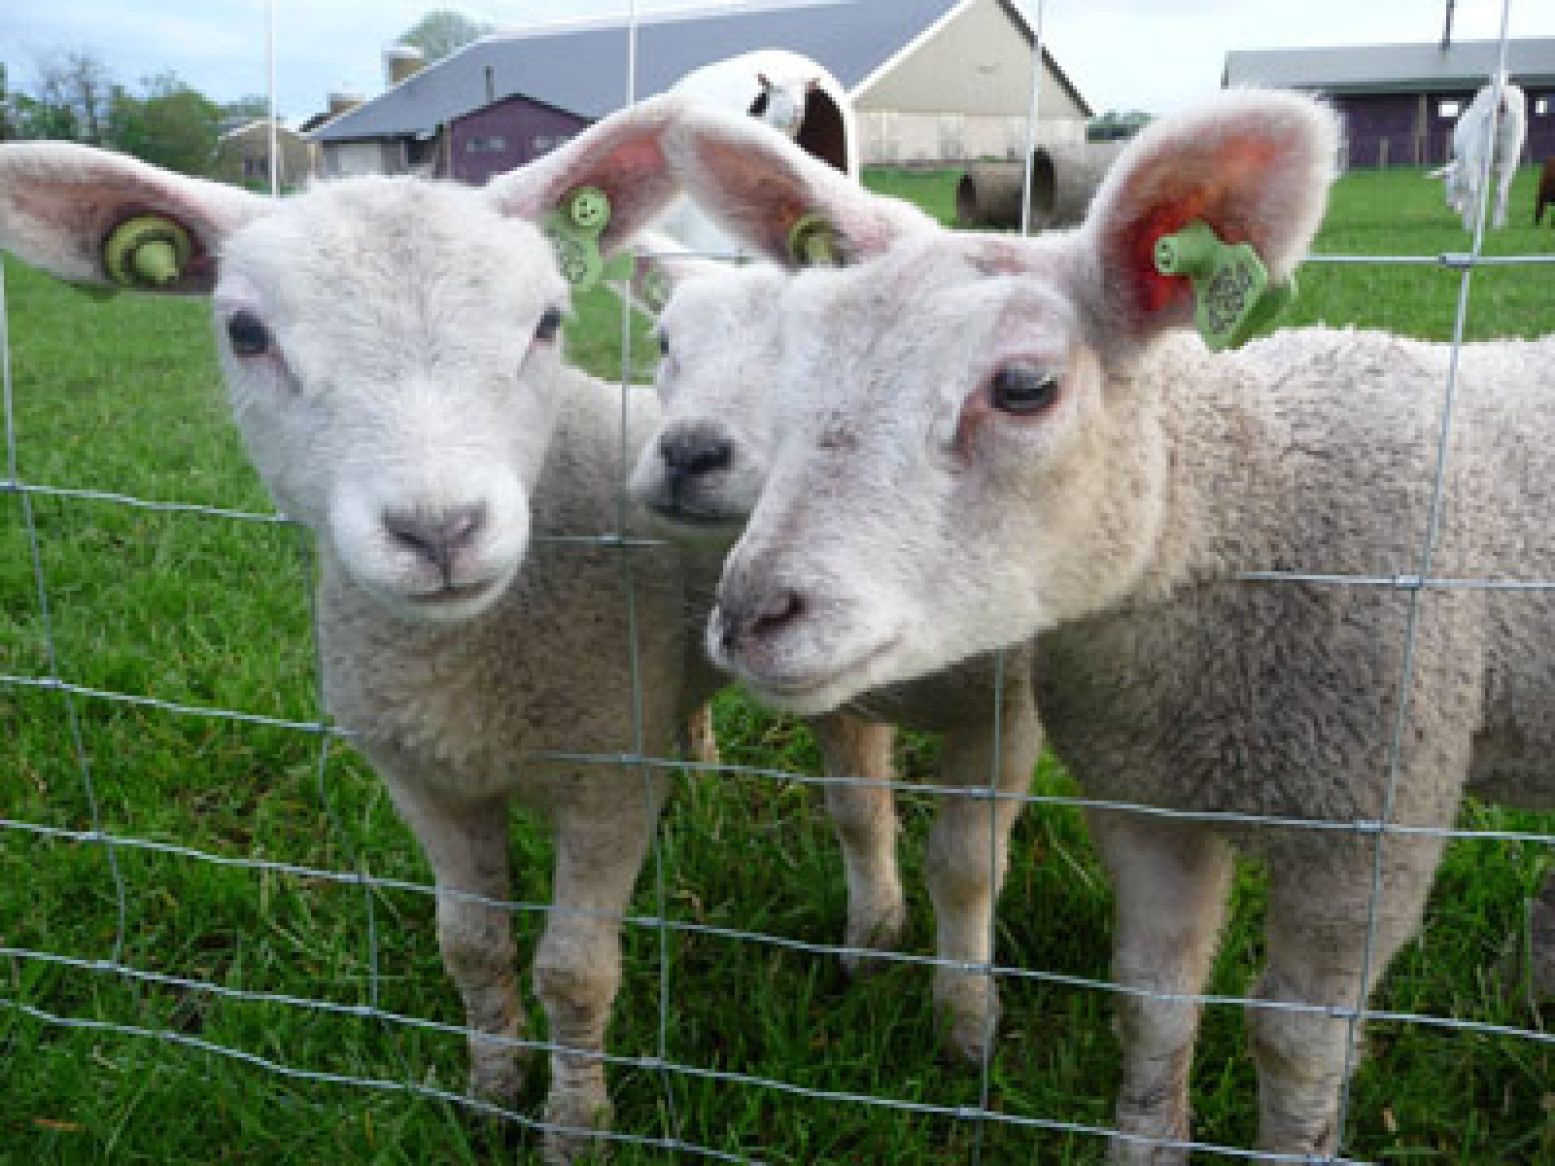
127 865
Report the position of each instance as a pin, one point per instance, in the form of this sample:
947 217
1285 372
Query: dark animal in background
1546 195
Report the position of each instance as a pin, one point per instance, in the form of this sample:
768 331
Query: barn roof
581 66
1410 68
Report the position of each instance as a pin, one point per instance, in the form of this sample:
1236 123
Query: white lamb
982 437
1487 144
391 352
701 473
790 92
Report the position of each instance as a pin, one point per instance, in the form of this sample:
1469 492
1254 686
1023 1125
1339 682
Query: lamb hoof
497 1076
968 1040
574 1115
880 932
1141 1154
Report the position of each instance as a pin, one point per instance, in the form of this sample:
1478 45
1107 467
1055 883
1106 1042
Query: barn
1400 101
243 156
931 81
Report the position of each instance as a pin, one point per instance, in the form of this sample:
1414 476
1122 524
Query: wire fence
356 868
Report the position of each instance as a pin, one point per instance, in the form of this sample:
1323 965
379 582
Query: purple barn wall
1384 128
503 135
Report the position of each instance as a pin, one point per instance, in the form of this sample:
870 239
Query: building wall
964 93
1415 129
503 135
243 157
887 137
1541 124
375 156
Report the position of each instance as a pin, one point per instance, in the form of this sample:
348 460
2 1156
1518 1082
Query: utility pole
1447 28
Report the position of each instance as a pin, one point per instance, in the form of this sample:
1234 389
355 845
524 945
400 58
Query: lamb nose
691 455
439 537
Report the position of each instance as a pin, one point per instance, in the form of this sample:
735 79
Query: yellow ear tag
814 242
147 251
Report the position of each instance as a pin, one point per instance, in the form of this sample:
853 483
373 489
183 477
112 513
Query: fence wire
355 871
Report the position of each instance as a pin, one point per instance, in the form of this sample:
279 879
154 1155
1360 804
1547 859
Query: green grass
124 397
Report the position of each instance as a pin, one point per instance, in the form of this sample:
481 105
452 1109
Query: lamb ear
765 190
622 156
1254 165
60 203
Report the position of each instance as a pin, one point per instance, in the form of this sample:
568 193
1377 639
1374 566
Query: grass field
123 397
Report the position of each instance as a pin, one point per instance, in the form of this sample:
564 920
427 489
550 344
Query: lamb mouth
797 691
448 596
674 515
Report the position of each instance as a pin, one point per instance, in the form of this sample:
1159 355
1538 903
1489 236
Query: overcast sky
1148 54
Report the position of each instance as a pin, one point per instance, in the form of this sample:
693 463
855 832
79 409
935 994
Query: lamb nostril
461 526
777 612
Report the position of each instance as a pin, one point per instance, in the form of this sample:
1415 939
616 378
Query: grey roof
1394 68
581 67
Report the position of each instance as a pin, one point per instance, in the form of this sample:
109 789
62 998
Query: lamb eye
248 334
549 325
1023 390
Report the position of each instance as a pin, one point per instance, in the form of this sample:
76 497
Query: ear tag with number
574 230
1231 289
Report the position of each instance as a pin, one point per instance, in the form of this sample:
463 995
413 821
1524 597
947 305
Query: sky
1155 55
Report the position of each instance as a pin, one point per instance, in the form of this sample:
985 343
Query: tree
251 107
439 33
31 119
1115 124
7 127
74 89
171 125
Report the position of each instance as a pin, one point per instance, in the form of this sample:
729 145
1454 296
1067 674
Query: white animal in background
701 473
391 352
1487 144
792 93
983 438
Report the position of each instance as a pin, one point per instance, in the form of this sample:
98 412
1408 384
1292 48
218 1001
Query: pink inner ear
1225 203
753 192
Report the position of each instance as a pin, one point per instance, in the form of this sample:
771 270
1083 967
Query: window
1541 107
1446 109
545 143
492 144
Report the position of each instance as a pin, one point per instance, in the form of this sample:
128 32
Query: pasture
207 612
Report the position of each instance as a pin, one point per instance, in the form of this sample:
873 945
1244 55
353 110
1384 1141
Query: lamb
985 438
792 93
391 353
701 473
1488 137
1546 193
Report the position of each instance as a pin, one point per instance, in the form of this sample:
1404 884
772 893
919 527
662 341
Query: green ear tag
574 229
1230 284
148 251
654 290
813 242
